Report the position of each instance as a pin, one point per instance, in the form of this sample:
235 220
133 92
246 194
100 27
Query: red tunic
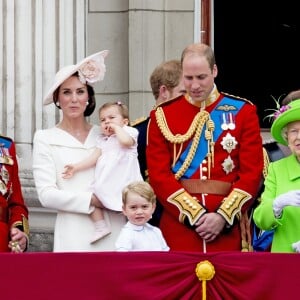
13 211
247 158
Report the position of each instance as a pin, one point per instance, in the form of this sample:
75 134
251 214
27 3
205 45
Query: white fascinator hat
91 69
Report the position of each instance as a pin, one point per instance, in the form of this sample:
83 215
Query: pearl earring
87 103
57 103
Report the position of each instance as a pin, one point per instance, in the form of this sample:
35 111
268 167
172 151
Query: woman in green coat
280 202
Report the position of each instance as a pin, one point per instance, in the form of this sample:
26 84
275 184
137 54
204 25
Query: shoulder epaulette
167 102
138 121
237 97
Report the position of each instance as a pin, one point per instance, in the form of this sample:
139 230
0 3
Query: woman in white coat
71 140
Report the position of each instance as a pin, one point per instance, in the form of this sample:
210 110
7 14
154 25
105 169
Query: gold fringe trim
266 162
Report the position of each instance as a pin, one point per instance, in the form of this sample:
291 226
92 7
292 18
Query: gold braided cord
266 162
178 138
192 151
211 151
176 155
196 128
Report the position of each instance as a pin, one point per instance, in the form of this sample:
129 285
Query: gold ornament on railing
205 271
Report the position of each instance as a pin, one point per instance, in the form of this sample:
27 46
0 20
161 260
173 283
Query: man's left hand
18 241
209 226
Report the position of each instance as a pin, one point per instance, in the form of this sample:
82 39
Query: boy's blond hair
141 188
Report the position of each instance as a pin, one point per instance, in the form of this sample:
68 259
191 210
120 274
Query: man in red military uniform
13 212
205 160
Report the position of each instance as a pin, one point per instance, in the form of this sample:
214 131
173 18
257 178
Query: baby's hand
112 128
68 172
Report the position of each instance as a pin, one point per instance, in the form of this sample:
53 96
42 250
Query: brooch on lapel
229 142
228 165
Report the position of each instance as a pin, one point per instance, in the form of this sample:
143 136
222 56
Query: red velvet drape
148 275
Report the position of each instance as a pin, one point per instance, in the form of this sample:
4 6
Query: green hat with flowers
282 117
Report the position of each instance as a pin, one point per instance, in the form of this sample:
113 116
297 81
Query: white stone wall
140 34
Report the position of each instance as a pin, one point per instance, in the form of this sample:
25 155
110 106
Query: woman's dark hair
91 101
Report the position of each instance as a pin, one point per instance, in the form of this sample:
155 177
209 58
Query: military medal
3 188
4 174
4 157
231 124
224 125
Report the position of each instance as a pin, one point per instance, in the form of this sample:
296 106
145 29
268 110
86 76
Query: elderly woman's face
293 137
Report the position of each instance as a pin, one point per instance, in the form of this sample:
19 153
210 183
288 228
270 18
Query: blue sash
4 142
225 105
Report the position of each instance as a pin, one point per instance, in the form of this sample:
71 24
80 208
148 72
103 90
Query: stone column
36 39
